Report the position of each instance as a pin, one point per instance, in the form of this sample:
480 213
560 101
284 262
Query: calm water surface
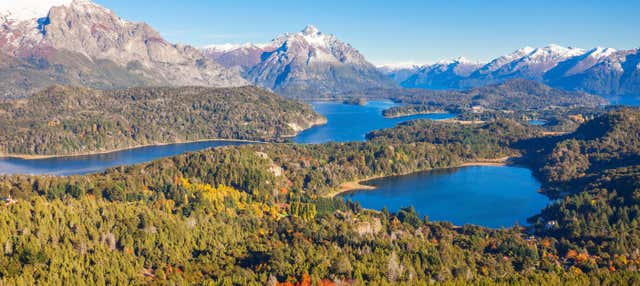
95 163
348 123
537 122
490 196
483 195
345 123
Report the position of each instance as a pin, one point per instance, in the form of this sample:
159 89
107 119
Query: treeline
555 119
473 141
411 109
255 215
90 241
517 99
67 120
516 94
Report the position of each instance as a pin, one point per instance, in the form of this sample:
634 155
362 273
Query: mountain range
305 64
77 42
81 43
602 71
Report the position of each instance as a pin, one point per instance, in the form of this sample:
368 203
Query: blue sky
400 30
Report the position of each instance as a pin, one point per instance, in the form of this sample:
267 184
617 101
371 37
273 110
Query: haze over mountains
602 71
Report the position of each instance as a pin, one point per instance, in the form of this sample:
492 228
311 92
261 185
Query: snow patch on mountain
25 10
228 47
458 60
600 52
398 65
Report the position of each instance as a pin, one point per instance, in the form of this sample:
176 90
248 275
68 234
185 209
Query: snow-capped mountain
441 75
308 63
89 45
399 72
24 10
243 56
603 71
526 63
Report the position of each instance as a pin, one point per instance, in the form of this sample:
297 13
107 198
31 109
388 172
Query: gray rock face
602 71
243 57
307 64
97 34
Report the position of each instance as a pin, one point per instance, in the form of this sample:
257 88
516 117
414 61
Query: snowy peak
302 64
88 35
32 10
556 52
458 61
223 48
600 70
528 62
309 37
600 52
88 7
390 67
310 45
27 10
503 60
310 30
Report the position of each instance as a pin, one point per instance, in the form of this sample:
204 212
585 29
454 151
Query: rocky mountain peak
82 35
302 64
28 10
603 71
310 30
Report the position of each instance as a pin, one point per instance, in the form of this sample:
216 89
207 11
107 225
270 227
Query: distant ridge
602 71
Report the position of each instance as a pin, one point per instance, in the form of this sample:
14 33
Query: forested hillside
596 171
516 94
255 215
70 120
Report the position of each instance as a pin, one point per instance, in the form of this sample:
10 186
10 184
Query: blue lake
73 165
483 195
345 123
537 122
348 123
489 196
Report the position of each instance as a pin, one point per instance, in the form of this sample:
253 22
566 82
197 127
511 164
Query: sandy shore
416 113
488 162
37 157
554 133
351 186
318 122
358 184
463 122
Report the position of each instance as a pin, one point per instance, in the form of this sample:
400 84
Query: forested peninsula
63 120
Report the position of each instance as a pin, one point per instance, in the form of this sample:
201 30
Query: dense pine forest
71 120
515 94
263 214
516 99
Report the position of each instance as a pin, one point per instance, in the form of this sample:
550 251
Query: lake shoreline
40 157
319 122
407 114
357 185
